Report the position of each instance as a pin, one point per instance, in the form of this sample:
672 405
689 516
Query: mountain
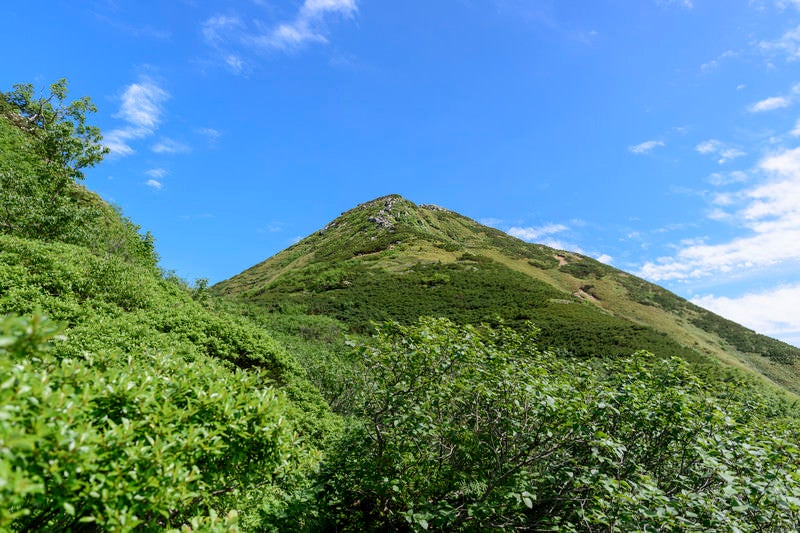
390 259
131 401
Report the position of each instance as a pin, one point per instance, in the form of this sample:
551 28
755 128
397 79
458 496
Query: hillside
390 259
131 401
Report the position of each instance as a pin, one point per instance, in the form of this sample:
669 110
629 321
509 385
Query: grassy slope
389 258
98 277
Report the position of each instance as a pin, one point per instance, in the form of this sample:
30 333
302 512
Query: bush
133 442
463 428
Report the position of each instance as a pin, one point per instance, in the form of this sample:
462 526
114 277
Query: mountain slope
128 401
392 259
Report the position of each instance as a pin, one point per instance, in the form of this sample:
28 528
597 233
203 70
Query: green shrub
124 443
463 428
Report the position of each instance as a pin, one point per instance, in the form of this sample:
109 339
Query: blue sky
660 136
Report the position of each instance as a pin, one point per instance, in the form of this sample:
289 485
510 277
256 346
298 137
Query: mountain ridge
391 259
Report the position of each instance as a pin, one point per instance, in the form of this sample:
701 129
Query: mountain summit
391 259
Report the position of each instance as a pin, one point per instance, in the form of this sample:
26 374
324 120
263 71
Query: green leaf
528 502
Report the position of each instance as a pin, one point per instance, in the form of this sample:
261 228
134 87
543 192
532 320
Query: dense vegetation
130 401
465 429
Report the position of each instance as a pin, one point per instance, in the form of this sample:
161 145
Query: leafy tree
45 146
64 141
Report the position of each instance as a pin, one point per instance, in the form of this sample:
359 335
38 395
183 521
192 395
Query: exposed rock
433 207
384 218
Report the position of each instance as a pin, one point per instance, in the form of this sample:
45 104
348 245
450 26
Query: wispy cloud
156 173
645 147
532 233
233 39
688 4
718 149
218 29
235 63
170 146
727 178
211 135
491 221
769 212
772 312
788 44
785 4
717 61
155 184
307 26
141 109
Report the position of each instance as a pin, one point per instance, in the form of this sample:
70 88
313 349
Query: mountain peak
384 211
391 259
383 214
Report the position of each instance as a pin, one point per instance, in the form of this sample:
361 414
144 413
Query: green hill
390 259
130 401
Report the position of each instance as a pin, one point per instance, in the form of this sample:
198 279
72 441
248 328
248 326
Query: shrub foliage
123 443
472 428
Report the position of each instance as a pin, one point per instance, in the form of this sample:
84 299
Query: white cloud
533 233
788 44
605 258
308 25
784 4
688 4
227 34
170 146
291 35
770 213
770 104
211 135
645 147
772 312
727 178
717 148
157 173
716 62
155 184
235 63
796 130
142 104
117 140
142 109
219 28
316 8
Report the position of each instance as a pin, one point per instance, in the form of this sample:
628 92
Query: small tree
46 144
65 142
